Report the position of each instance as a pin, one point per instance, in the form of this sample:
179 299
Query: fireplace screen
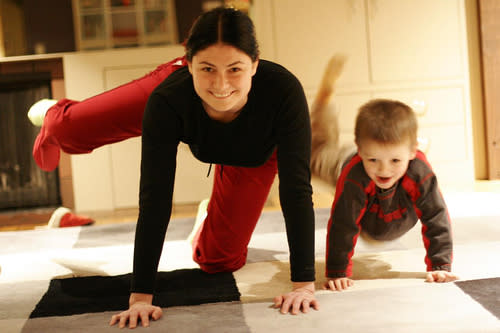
22 183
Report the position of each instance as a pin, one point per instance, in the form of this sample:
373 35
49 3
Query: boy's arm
343 228
436 233
436 226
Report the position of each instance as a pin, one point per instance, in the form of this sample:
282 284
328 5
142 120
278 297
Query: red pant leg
113 116
236 203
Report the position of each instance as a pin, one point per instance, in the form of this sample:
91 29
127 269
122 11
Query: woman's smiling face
384 163
222 77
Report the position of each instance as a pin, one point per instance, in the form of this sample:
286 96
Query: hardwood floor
24 219
32 218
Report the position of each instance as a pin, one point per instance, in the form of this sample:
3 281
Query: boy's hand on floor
338 284
441 276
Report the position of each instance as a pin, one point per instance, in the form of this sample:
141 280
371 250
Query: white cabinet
416 39
101 24
108 178
411 50
307 33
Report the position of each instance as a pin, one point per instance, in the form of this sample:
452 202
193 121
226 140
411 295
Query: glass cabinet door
156 21
92 24
123 18
104 24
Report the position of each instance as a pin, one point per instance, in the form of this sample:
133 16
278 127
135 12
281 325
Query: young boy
383 189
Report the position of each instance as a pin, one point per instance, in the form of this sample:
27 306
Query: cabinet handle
373 7
355 6
420 107
423 144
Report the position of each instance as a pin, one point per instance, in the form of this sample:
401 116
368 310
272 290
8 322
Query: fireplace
22 183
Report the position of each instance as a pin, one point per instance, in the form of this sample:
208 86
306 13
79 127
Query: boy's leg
115 115
236 203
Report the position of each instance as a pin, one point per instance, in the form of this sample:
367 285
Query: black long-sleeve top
275 117
387 215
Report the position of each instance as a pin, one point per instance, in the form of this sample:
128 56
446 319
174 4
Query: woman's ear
190 67
255 64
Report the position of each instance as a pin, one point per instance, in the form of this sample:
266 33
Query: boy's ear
413 153
358 149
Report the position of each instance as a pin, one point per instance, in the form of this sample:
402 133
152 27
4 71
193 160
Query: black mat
111 293
484 291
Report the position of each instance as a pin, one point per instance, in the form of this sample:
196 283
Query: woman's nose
220 81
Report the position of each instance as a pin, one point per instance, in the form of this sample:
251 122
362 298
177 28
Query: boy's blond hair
386 121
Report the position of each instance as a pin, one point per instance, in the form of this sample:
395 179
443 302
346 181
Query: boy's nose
383 168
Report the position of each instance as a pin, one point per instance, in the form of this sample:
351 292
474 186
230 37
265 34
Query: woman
247 116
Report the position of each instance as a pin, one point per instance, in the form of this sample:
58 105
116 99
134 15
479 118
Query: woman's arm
158 164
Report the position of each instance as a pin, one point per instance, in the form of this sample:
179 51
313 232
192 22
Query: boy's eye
395 160
373 160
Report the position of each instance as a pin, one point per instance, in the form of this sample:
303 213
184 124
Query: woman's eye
207 69
234 69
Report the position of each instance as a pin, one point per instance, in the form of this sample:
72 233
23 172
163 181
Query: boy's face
385 164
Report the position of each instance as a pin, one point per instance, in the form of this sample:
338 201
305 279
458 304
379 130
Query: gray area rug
422 308
389 292
484 291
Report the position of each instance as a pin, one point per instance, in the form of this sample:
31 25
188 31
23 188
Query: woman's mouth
221 95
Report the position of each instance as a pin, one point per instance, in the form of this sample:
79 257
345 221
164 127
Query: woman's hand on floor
140 307
301 298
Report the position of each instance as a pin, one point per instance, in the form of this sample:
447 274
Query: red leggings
237 199
238 195
113 116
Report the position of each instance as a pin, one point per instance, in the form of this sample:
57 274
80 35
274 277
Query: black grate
22 183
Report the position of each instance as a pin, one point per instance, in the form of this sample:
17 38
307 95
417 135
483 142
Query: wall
12 30
476 90
489 12
186 13
49 23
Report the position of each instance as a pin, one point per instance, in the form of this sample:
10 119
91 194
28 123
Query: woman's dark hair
223 25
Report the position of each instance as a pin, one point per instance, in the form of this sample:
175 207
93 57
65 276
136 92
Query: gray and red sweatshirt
387 214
